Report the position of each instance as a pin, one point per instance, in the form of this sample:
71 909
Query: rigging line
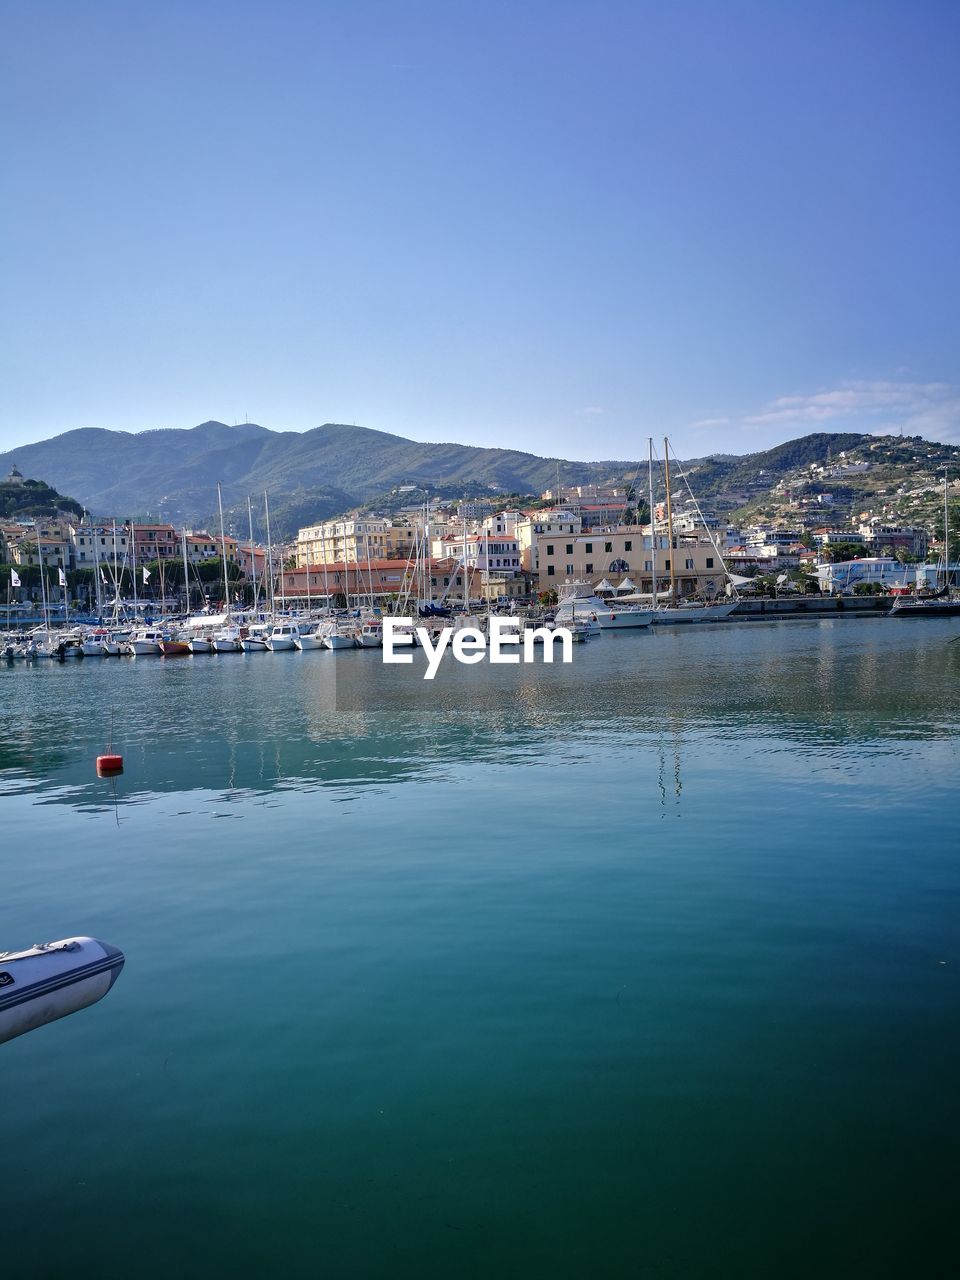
713 541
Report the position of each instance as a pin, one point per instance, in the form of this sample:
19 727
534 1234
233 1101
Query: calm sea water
644 966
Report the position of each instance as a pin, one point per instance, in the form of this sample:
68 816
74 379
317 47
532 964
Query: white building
844 575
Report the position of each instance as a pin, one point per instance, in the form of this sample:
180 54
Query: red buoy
109 764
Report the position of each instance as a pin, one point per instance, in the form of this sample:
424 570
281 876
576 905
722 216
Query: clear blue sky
555 226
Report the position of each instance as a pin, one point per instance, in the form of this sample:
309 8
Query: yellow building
627 553
354 541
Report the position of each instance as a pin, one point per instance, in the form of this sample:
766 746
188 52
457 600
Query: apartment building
354 541
590 557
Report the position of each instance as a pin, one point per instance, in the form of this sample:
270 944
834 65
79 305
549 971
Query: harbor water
648 965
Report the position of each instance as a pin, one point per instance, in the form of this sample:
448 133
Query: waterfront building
883 571
482 551
613 554
381 580
354 540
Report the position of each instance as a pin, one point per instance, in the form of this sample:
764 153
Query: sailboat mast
133 562
186 570
653 525
673 554
43 585
308 579
946 536
223 549
270 596
116 580
96 570
253 563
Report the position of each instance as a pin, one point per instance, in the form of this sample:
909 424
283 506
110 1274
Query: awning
605 585
627 585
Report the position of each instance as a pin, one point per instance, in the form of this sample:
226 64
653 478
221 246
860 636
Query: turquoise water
643 966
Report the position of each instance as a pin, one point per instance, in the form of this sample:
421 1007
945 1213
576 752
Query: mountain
315 474
309 475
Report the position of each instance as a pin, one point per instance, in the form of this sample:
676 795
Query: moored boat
174 648
143 643
282 636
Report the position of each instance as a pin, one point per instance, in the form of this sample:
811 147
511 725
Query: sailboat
674 610
942 604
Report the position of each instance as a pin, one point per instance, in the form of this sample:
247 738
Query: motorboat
282 636
174 647
339 636
311 638
52 979
370 635
579 603
144 643
92 644
255 640
226 640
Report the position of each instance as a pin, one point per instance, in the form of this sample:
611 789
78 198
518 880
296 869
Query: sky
550 225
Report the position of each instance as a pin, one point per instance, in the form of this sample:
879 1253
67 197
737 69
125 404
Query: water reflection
828 690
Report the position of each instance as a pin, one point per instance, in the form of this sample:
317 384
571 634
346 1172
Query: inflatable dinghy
52 979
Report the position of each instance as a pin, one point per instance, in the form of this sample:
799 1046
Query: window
550 571
608 546
710 562
666 564
589 548
589 568
628 545
569 568
648 566
688 564
570 548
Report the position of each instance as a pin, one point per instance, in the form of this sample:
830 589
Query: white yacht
227 639
312 637
370 635
255 641
340 635
282 636
144 643
578 603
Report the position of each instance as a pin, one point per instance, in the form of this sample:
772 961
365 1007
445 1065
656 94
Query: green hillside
309 475
34 499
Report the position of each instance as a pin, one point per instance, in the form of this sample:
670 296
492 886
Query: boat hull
48 982
174 648
698 613
339 642
308 642
929 609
